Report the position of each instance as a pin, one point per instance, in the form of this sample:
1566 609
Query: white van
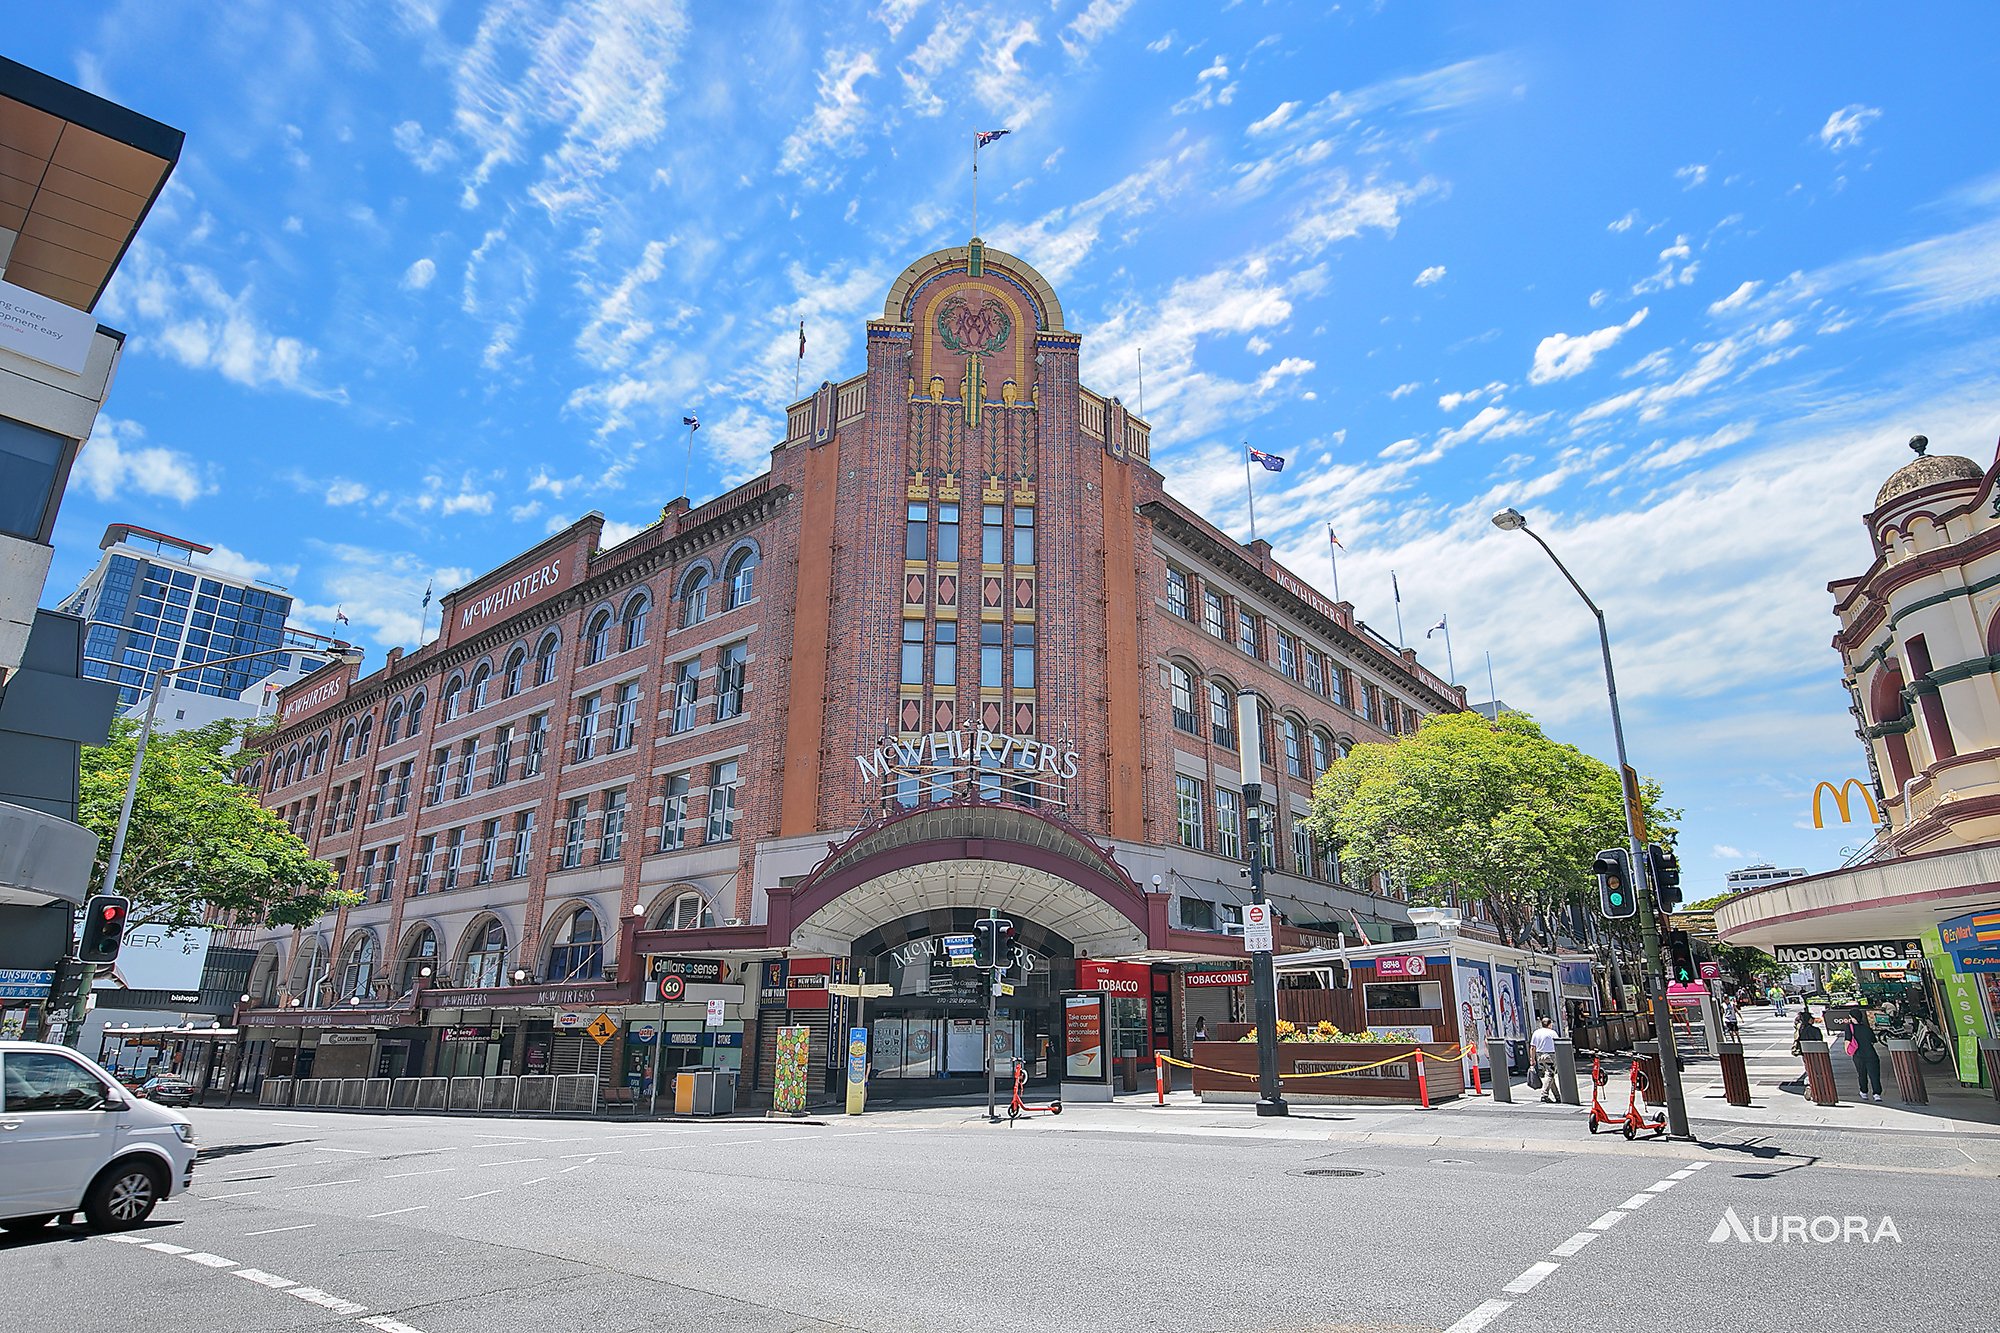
72 1140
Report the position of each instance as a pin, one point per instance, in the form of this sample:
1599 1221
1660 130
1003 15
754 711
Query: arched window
485 955
346 743
392 730
636 609
517 666
325 748
741 573
452 690
367 732
357 974
1180 690
545 658
1295 749
1221 713
597 639
578 954
690 911
694 596
416 714
308 970
421 954
1322 753
263 987
480 677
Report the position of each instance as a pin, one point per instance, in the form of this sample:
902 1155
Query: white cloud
1451 402
1004 84
467 502
835 122
896 14
1091 25
341 492
1695 173
1843 128
936 54
1723 851
1624 223
381 591
1405 390
1433 274
1162 42
1736 300
521 513
428 155
616 533
114 465
1290 367
1279 115
1561 355
239 565
1212 88
419 275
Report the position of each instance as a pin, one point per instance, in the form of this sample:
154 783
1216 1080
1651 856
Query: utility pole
1263 974
992 1003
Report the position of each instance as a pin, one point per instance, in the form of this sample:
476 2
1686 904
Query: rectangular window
687 688
1197 914
1336 679
1180 688
1315 679
674 812
489 850
613 846
468 758
729 675
1246 632
455 859
722 802
625 721
917 537
1177 592
1221 716
913 652
440 768
1187 810
992 653
367 881
1367 702
386 886
945 667
538 744
1211 615
1288 655
404 776
503 755
524 843
586 727
1024 536
947 540
573 831
427 865
993 534
1228 828
1024 657
379 804
1302 847
1295 751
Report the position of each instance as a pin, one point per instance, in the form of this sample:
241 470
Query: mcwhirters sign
967 748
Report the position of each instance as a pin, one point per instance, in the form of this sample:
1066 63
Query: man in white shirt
1544 1044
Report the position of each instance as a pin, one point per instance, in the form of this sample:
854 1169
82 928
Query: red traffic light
103 928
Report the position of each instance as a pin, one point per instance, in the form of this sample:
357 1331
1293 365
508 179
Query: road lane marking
1574 1244
514 1161
1484 1314
1531 1278
434 1171
321 1184
389 1325
536 1181
240 1194
484 1194
1682 1174
1609 1220
207 1260
1697 1166
303 1226
413 1208
1636 1201
165 1248
126 1240
263 1279
1660 1186
331 1302
359 1152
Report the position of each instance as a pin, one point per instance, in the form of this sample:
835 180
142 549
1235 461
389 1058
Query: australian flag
984 137
691 423
1272 462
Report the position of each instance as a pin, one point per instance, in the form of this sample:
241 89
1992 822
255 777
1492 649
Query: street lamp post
344 653
1512 520
1263 976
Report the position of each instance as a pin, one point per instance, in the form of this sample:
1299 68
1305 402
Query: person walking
1777 997
1867 1059
1803 1031
1543 1041
1732 1020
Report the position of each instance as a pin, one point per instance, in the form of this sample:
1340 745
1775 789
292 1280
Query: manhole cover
1450 1161
1336 1172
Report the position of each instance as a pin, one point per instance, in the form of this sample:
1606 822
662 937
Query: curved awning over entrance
1016 861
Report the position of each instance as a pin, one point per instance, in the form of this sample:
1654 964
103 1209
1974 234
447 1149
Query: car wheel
35 1223
123 1196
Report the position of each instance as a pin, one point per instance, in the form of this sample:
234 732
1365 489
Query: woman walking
1867 1060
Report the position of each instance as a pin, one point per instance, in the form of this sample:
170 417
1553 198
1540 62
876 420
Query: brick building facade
957 649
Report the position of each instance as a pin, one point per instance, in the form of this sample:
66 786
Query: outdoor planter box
1394 1083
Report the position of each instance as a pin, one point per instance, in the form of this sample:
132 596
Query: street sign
1710 971
1006 988
24 984
672 987
715 1018
1257 928
603 1027
856 990
961 950
569 1020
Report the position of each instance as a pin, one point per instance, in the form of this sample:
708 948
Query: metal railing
527 1094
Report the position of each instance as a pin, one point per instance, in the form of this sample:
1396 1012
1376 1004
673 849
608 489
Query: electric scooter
1635 1121
1018 1106
1598 1115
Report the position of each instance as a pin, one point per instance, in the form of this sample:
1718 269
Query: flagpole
975 184
1449 666
799 364
1492 693
687 472
1142 384
1397 588
1333 555
1250 487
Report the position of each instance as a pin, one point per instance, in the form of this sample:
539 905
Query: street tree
1745 966
1490 811
200 848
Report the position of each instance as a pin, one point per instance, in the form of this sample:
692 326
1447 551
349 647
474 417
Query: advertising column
1086 1075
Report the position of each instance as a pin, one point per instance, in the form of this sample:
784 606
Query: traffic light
103 928
1613 869
1006 947
985 949
1666 876
68 980
1680 958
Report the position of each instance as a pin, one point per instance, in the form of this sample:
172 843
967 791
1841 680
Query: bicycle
1019 1106
1930 1042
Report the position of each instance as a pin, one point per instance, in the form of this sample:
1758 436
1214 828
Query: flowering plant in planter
1324 1033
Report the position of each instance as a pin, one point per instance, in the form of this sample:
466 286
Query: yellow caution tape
1452 1054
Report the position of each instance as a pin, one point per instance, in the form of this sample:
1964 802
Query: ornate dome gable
1927 470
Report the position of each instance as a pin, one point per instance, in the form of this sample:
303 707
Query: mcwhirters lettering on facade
502 598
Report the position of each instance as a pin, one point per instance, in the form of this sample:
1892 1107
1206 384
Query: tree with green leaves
200 849
1745 966
1489 811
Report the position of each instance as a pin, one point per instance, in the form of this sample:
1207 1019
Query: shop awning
1898 898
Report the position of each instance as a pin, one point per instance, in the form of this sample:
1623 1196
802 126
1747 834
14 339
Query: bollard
1503 1086
1566 1072
1477 1091
1909 1071
1423 1087
1735 1077
1159 1079
1819 1073
1655 1093
1989 1059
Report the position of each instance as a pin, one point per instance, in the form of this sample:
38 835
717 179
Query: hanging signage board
687 969
20 984
571 1020
1411 965
1257 928
961 950
1230 976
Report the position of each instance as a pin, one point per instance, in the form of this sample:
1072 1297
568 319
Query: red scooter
1598 1115
1019 1105
1634 1122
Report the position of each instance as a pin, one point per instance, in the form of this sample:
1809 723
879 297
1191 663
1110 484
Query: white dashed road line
321 1184
1530 1279
1636 1201
165 1248
339 1305
207 1260
263 1279
414 1208
388 1325
483 1194
303 1226
1574 1244
1609 1220
1484 1314
434 1171
240 1194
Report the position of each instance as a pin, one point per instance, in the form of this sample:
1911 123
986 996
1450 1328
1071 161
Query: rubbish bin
1735 1078
1819 1073
1128 1071
1909 1072
1655 1091
703 1091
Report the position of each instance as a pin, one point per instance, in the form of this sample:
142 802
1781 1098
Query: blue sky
433 277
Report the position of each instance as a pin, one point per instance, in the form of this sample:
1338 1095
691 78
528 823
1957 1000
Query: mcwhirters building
957 650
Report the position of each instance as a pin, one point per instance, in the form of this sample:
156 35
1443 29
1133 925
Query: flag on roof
984 137
427 593
693 424
1271 462
1435 628
339 616
1332 538
802 340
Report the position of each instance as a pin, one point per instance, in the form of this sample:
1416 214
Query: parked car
167 1090
72 1140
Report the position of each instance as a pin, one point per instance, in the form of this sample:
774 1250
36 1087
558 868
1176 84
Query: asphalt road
930 1220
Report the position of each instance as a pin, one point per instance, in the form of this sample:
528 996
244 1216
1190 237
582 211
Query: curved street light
1512 520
